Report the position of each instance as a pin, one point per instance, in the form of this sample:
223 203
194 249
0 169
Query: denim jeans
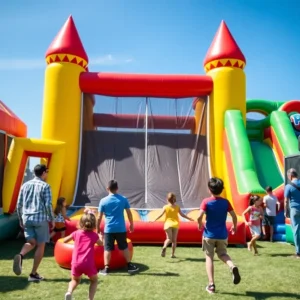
295 221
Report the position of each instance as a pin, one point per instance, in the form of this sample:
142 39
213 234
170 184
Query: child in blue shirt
215 232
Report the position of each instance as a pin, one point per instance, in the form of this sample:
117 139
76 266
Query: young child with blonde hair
83 261
171 226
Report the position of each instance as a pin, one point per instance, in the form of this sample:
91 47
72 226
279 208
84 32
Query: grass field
272 275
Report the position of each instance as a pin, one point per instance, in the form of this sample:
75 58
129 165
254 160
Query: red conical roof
67 41
223 46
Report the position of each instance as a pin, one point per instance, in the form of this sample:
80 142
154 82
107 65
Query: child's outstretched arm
163 212
200 218
184 215
244 215
68 238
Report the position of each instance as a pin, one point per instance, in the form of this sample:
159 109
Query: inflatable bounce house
10 126
151 153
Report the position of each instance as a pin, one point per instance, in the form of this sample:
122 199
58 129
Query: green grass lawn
272 275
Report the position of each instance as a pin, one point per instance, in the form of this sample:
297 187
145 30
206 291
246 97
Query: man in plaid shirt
34 209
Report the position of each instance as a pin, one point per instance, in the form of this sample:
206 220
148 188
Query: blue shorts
37 230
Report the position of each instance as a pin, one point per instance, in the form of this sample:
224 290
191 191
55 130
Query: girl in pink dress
256 214
83 261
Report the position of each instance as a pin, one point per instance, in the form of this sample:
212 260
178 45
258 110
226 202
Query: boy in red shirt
215 233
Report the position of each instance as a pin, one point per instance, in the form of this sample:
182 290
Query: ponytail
171 198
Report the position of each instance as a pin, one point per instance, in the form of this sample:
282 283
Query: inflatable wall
85 148
10 126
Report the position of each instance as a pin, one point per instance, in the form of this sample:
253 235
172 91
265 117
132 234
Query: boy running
215 233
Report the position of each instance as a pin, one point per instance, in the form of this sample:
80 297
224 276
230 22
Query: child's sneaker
132 268
17 265
103 272
211 288
236 278
68 296
35 277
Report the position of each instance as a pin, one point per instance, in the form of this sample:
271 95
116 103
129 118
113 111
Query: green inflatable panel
266 166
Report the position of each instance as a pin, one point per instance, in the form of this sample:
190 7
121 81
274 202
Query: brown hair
171 198
253 199
87 222
59 205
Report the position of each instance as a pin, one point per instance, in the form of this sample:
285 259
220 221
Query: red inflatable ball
63 255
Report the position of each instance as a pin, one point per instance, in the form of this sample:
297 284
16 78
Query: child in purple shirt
215 232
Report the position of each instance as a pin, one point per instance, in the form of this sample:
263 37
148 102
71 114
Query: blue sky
159 36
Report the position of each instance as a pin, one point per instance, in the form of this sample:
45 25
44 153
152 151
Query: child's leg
264 230
254 246
271 232
167 241
209 264
73 283
208 246
174 240
255 237
93 287
221 250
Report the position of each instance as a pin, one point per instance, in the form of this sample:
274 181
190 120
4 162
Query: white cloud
32 64
109 60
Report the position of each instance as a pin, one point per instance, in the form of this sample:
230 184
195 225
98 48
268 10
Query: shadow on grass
265 295
13 283
10 248
281 255
143 271
189 259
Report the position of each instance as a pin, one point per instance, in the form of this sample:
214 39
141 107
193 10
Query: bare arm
129 216
200 218
162 213
99 220
130 219
264 203
244 214
234 221
99 243
68 238
286 205
278 205
184 215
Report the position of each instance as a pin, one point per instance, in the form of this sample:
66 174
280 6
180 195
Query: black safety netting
156 153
